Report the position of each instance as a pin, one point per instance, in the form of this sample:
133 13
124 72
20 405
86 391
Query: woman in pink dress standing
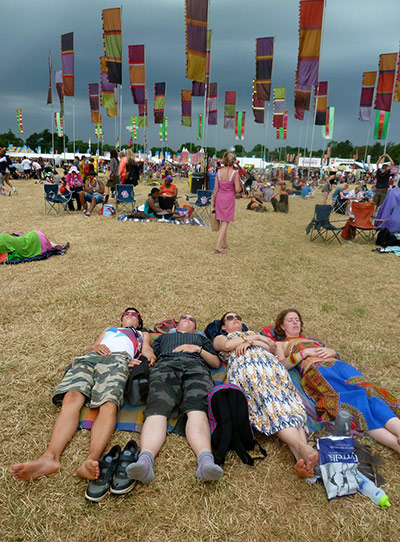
227 186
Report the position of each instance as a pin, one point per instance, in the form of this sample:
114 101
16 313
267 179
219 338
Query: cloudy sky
356 32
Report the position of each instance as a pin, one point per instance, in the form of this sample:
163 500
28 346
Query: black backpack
137 385
228 414
386 239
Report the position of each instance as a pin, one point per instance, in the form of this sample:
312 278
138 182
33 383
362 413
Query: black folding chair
320 225
53 201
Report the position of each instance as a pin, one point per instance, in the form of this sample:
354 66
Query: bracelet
200 351
293 359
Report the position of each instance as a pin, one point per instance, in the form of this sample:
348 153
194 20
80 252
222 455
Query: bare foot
32 470
89 470
218 251
305 469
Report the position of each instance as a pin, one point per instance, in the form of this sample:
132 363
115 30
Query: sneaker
98 489
15 191
86 214
121 484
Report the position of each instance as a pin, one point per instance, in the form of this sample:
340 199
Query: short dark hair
281 317
140 320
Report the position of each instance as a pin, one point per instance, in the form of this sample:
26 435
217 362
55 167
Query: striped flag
19 121
239 124
381 124
59 124
200 127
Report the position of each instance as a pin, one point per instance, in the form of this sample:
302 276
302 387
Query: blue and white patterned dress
274 403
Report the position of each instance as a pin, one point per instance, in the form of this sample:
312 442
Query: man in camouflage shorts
179 383
96 380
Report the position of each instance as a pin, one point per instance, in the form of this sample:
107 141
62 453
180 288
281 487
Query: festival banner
112 38
20 126
311 15
381 124
279 106
67 63
50 91
327 130
199 88
239 124
99 131
258 106
396 93
143 119
199 127
302 99
137 72
196 13
164 130
212 108
59 124
107 88
367 96
230 110
321 102
159 102
384 91
58 76
281 133
94 102
186 100
134 126
264 64
112 112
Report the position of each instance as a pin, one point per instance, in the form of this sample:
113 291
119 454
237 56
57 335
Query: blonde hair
229 159
130 158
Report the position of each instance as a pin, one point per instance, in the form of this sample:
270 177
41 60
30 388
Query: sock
207 469
142 470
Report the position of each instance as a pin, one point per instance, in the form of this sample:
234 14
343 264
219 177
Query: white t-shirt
123 339
26 164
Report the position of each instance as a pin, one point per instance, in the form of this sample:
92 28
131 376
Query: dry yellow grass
52 310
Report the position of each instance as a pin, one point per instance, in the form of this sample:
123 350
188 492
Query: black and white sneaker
121 484
98 489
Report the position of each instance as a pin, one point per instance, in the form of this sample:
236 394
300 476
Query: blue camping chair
321 227
202 205
53 201
125 197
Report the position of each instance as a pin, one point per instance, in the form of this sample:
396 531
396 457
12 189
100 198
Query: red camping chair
362 220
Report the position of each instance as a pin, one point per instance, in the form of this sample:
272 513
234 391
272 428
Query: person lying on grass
179 383
98 380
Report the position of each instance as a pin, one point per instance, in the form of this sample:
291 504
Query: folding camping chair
339 205
361 220
320 226
125 197
202 205
53 201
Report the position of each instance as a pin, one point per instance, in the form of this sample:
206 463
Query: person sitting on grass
93 192
98 380
152 207
281 206
179 383
168 194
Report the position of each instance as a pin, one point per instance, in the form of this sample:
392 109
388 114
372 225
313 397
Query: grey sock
142 470
207 470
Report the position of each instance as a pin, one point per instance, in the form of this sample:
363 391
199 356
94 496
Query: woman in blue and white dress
275 406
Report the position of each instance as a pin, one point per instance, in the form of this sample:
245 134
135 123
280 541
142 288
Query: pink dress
225 199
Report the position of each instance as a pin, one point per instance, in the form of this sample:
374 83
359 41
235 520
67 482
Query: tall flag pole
137 72
50 100
20 126
239 124
230 110
368 90
159 102
388 64
67 64
186 104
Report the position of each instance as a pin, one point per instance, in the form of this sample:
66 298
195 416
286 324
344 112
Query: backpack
386 239
137 385
228 414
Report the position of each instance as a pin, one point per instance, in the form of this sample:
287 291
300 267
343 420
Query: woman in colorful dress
336 385
227 187
275 407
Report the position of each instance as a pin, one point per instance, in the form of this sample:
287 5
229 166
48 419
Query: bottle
369 489
342 424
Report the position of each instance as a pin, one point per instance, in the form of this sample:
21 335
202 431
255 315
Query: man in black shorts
179 383
382 180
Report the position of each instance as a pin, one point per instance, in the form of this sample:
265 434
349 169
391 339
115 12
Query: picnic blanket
52 252
188 222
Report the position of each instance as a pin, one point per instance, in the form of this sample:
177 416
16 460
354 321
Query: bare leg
198 432
153 434
306 456
324 198
221 239
65 427
82 199
100 435
388 435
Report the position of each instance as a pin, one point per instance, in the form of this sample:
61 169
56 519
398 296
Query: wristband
293 359
200 351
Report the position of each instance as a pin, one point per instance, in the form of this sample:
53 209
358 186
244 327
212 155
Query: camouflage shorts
177 386
99 378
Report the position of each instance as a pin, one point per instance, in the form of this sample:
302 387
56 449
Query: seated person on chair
97 379
340 199
152 207
93 191
179 383
169 193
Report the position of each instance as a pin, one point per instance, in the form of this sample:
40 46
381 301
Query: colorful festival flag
279 107
58 76
112 38
137 73
186 101
321 102
67 63
396 93
327 130
230 110
94 102
239 124
199 88
50 91
196 14
212 107
143 119
164 130
59 124
200 127
107 88
381 124
20 126
367 96
134 126
99 131
281 133
258 106
159 102
264 64
384 91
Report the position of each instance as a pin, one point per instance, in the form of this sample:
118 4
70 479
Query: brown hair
281 317
229 159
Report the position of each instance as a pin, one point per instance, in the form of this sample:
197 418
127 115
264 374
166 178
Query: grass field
52 310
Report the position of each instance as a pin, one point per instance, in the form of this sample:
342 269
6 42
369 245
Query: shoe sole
95 499
122 491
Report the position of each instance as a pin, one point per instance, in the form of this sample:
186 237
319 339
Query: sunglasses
232 317
131 313
187 317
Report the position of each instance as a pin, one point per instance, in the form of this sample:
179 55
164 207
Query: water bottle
369 489
342 424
